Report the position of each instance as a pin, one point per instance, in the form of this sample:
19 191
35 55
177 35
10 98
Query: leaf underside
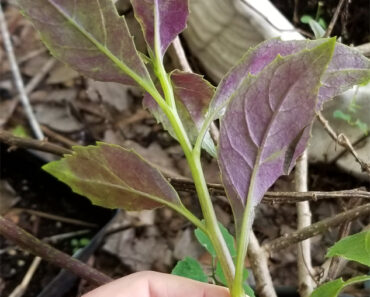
161 19
261 131
192 96
113 177
347 68
89 36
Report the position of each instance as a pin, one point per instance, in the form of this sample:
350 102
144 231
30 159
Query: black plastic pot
22 169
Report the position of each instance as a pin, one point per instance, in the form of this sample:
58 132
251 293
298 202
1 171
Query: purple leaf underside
162 18
347 68
89 36
192 95
113 177
261 131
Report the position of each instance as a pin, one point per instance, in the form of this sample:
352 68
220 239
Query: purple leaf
264 122
113 177
161 21
89 36
346 69
192 95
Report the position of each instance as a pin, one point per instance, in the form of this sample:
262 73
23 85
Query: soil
41 192
353 24
99 118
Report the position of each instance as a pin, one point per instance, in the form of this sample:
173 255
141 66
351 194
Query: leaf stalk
193 158
242 247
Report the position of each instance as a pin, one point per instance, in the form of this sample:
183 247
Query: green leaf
316 29
207 244
305 19
354 248
20 131
221 278
190 268
362 126
113 177
90 37
220 274
248 290
338 114
322 23
333 288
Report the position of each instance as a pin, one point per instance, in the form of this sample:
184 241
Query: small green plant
353 248
349 115
78 244
266 105
317 24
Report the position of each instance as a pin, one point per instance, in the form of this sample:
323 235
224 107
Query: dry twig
258 259
317 228
343 140
44 70
187 185
334 19
50 216
28 242
42 145
22 287
337 263
58 137
304 261
18 78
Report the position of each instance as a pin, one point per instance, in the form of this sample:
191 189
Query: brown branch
187 185
178 55
343 140
317 228
21 289
337 263
28 143
28 242
344 151
258 258
334 19
304 259
18 77
58 137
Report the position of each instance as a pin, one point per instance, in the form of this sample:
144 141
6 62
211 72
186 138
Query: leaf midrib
121 65
129 189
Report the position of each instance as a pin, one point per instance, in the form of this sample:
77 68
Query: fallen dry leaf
111 93
57 117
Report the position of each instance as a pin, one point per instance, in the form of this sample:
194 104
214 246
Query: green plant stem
193 159
165 83
242 247
159 66
214 232
190 216
212 228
